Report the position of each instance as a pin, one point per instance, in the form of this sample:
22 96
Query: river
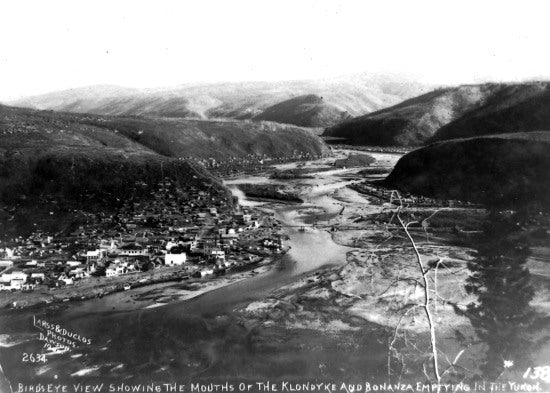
207 339
193 338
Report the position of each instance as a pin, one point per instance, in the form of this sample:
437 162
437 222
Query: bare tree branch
426 305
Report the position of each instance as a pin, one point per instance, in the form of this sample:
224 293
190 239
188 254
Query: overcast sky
51 45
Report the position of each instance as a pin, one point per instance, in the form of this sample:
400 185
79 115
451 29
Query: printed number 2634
34 357
542 373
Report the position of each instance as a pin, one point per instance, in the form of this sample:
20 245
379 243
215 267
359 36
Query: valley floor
380 283
344 303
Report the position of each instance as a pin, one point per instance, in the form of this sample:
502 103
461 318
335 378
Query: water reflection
502 316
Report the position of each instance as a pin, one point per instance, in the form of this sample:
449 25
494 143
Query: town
249 163
189 233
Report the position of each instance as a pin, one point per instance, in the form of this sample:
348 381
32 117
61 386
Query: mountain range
100 140
453 112
312 103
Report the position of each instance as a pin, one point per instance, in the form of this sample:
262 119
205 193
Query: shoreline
91 290
368 300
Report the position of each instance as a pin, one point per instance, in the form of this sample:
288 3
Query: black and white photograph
260 196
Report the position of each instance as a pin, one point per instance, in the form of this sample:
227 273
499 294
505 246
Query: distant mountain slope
218 139
47 151
53 164
356 95
502 170
417 120
305 111
514 108
63 155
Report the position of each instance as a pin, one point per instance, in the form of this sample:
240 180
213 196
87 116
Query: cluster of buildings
391 196
248 163
197 230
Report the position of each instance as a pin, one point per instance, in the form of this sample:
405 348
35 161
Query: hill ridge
237 100
417 120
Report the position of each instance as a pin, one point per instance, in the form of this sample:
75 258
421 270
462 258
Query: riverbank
381 285
342 303
379 293
94 288
380 277
98 287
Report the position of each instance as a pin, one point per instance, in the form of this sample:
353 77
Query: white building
114 270
5 285
218 254
17 283
206 272
96 255
175 259
79 272
6 264
170 244
111 271
15 275
132 250
66 280
8 252
109 245
38 276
